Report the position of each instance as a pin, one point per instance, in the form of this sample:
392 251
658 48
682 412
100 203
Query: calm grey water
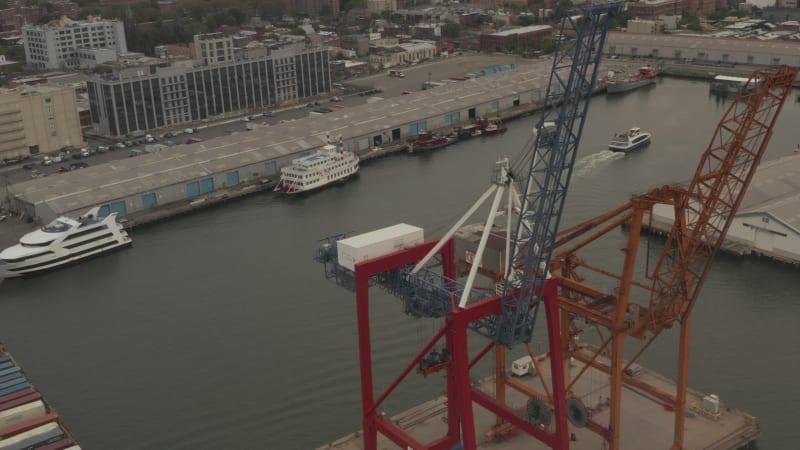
217 330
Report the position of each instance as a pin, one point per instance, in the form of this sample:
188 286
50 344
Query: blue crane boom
572 81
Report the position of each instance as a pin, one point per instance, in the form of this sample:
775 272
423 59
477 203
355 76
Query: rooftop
522 30
775 189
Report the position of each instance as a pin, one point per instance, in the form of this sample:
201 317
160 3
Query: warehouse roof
775 189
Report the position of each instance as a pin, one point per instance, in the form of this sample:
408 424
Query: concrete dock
646 422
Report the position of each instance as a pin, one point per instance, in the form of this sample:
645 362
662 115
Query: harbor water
218 330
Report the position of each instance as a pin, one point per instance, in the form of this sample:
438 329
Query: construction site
587 388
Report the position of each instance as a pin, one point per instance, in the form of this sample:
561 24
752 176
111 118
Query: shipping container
377 243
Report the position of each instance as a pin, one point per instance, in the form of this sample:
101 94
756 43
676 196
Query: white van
523 366
188 131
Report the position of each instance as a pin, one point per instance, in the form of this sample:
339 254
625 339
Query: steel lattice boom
551 166
706 209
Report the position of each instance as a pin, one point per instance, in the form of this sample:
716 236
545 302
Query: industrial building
768 221
402 53
38 119
156 96
515 37
190 172
704 50
54 46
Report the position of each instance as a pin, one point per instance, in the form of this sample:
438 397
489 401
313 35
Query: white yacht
321 168
63 241
629 141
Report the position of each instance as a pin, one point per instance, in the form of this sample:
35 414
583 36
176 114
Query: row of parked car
65 155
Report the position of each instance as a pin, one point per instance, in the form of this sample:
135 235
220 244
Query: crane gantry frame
704 211
507 319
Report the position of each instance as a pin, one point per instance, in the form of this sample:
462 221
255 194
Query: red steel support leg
365 359
683 382
550 299
463 387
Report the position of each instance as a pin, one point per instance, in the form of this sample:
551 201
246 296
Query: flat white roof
522 30
732 79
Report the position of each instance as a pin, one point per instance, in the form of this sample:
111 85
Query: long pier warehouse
224 165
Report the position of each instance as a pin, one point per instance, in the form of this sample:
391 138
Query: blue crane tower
508 319
572 81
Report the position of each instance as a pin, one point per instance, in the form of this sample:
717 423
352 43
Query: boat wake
590 162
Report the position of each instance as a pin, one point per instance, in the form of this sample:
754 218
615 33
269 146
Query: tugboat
427 140
493 126
645 76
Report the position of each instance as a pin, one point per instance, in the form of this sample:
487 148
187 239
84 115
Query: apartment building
55 45
38 119
213 48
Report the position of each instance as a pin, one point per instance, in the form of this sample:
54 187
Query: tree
272 9
561 8
238 16
101 69
547 45
451 30
525 20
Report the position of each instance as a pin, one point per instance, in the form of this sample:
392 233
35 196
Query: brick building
516 37
653 9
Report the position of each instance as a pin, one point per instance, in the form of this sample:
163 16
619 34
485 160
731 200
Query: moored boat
427 140
629 141
327 165
492 126
63 241
645 76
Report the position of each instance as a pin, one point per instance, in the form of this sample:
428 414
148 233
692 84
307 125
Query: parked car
29 166
85 152
102 149
120 145
46 161
78 165
336 99
134 152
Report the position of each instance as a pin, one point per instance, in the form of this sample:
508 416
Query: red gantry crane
641 302
507 319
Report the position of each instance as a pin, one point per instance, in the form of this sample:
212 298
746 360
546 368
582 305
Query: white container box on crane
377 243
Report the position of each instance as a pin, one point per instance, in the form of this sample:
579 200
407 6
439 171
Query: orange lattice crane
646 300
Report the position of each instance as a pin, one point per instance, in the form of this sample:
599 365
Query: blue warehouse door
149 200
232 178
206 185
193 189
119 208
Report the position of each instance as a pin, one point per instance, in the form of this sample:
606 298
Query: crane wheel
538 412
576 413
